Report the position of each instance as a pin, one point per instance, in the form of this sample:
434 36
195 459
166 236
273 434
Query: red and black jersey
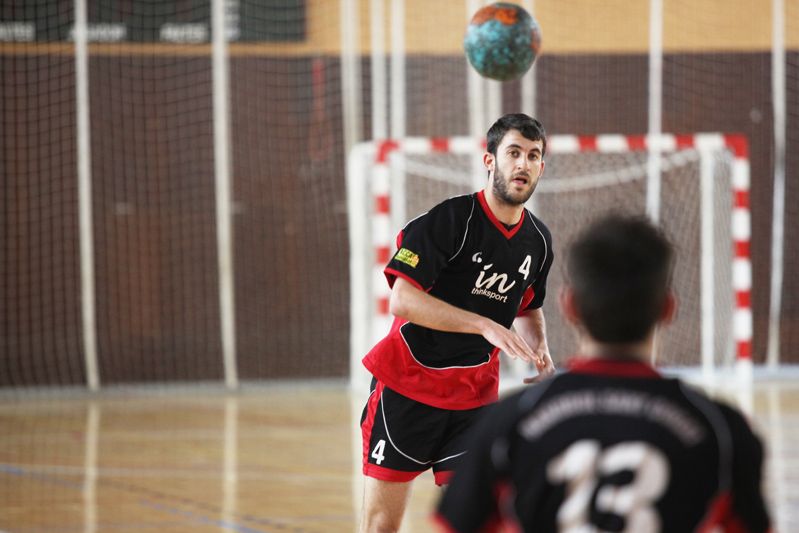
460 253
609 446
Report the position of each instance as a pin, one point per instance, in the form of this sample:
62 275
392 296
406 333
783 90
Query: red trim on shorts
369 421
443 524
443 477
392 274
508 233
628 368
387 474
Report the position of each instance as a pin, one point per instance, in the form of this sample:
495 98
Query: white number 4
377 453
525 268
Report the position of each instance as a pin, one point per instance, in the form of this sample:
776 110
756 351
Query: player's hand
544 365
509 342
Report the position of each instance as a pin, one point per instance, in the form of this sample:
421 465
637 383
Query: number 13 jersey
459 252
610 445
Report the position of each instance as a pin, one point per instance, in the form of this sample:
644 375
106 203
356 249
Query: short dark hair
528 126
620 268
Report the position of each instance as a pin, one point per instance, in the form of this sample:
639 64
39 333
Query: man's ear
669 312
488 161
568 307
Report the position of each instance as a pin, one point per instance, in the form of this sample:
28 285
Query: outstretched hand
544 365
516 347
509 342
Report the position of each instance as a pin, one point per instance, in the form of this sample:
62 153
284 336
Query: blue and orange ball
502 41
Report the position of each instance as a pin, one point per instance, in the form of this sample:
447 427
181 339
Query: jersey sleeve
534 297
426 245
748 509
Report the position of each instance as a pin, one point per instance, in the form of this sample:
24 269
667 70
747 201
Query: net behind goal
702 182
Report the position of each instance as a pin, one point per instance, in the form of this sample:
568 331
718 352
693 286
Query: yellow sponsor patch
408 257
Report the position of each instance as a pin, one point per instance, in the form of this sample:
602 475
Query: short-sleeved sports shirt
608 446
461 253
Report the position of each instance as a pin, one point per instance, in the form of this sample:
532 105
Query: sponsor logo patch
408 257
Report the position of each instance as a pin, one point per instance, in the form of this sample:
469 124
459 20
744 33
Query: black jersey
609 446
460 253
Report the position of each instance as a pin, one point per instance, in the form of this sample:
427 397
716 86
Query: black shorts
402 437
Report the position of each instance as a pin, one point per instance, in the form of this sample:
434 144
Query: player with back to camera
464 273
611 445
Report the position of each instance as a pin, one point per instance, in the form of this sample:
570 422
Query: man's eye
514 153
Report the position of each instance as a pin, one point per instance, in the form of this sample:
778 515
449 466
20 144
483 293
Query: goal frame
372 196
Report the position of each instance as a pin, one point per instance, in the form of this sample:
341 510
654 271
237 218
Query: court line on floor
199 518
49 479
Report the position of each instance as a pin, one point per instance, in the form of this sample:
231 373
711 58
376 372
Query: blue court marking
204 520
149 493
101 526
44 478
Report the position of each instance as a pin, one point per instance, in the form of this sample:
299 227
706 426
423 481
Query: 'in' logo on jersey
487 281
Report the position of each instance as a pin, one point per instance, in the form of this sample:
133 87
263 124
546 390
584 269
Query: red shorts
402 437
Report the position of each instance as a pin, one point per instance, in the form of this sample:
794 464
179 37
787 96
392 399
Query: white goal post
708 206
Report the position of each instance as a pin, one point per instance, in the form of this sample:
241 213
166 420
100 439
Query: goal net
703 183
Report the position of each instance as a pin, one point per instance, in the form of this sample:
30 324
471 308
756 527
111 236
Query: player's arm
531 326
415 305
748 511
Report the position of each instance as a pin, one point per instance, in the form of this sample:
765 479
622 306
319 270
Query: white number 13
580 465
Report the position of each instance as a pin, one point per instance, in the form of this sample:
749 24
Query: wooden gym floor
282 458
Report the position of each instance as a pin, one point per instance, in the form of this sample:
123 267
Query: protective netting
40 332
150 107
789 314
297 105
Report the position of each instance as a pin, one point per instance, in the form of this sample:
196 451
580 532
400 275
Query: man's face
516 168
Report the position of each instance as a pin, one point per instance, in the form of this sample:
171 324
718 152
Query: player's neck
506 213
638 351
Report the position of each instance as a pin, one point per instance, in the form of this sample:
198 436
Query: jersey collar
508 233
611 367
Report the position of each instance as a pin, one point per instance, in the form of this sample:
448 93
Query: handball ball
502 41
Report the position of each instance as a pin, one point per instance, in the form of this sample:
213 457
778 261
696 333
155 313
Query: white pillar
350 72
378 62
655 107
86 220
778 210
223 196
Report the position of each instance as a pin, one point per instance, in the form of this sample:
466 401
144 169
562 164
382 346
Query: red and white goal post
702 201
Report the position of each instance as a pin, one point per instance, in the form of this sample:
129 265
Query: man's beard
501 191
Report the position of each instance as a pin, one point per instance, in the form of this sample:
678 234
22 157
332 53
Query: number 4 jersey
460 253
609 446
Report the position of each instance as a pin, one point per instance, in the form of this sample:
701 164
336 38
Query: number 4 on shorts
377 453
